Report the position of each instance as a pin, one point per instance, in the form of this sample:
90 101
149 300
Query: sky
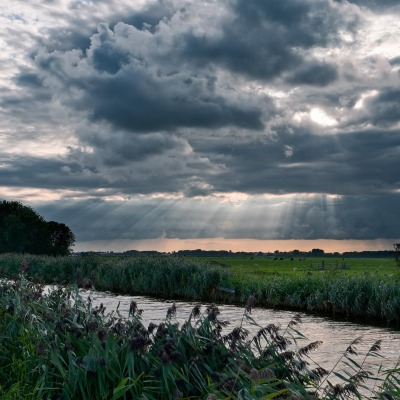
242 124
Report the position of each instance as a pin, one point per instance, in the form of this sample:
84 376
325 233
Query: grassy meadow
56 345
264 267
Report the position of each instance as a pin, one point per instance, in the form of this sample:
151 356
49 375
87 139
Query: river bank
369 296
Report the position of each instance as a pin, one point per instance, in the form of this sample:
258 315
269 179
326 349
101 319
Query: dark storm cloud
264 40
145 102
156 162
143 79
319 217
139 164
120 83
149 17
83 23
22 171
351 163
122 148
318 74
384 109
29 79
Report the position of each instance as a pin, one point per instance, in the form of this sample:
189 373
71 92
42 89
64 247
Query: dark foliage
22 230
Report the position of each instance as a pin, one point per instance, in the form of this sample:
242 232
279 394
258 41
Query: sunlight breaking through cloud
239 119
321 117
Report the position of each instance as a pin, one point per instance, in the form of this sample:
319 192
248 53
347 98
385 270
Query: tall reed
167 277
369 296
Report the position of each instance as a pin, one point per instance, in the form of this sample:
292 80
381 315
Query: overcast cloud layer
182 119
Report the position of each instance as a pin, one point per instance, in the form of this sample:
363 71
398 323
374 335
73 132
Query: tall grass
57 346
165 277
369 296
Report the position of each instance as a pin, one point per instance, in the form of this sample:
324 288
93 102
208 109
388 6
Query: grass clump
56 345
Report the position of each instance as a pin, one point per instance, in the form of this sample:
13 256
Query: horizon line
167 245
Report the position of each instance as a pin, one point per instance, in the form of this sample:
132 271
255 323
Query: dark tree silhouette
317 252
22 230
61 238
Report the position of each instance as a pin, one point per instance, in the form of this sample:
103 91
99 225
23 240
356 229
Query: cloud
291 217
119 82
171 106
318 74
265 40
348 164
377 4
162 73
80 20
288 150
354 163
123 164
384 109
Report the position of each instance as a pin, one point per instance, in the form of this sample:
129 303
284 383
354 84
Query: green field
261 267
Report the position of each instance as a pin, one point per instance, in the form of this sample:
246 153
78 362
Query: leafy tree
22 230
61 238
317 252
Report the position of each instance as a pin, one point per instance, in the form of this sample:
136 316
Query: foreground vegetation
370 294
55 345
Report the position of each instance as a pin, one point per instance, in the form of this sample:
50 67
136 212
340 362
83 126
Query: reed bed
55 345
369 296
163 277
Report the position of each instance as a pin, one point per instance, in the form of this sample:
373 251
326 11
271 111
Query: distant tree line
319 253
22 230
